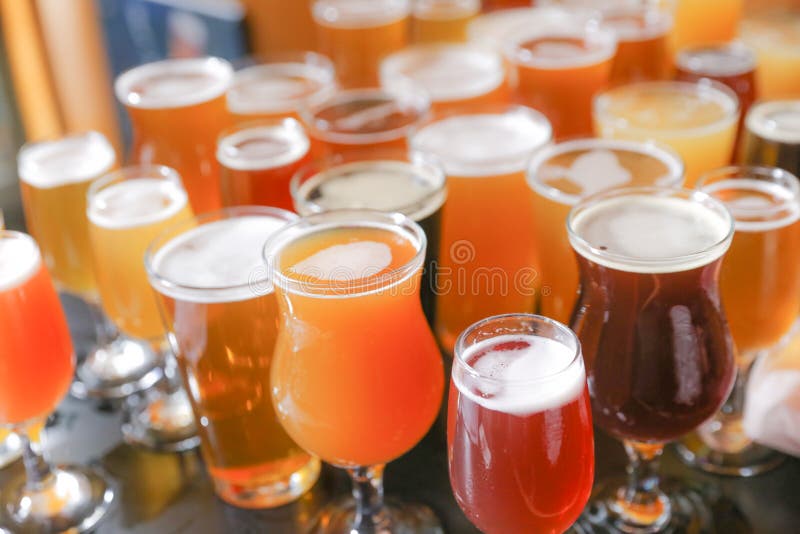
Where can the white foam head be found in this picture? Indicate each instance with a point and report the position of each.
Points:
(445, 72)
(72, 159)
(444, 9)
(651, 233)
(279, 87)
(342, 263)
(636, 22)
(135, 202)
(484, 144)
(264, 146)
(383, 185)
(520, 374)
(777, 121)
(359, 13)
(561, 46)
(173, 83)
(216, 261)
(758, 205)
(19, 259)
(493, 29)
(721, 60)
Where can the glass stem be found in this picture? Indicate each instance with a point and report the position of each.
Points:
(105, 331)
(368, 494)
(734, 406)
(641, 502)
(37, 470)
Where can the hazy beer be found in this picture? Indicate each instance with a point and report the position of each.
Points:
(54, 177)
(776, 40)
(206, 272)
(436, 21)
(177, 110)
(705, 22)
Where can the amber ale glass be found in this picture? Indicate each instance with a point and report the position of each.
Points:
(177, 110)
(558, 69)
(348, 291)
(258, 159)
(442, 21)
(213, 286)
(653, 331)
(358, 34)
(761, 291)
(520, 442)
(484, 156)
(358, 121)
(643, 51)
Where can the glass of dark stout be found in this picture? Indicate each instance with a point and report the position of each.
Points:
(655, 339)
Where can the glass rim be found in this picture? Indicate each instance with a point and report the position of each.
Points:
(473, 5)
(684, 58)
(461, 347)
(18, 279)
(129, 172)
(676, 168)
(491, 28)
(656, 265)
(290, 124)
(326, 12)
(602, 115)
(590, 30)
(166, 236)
(222, 69)
(344, 218)
(426, 163)
(411, 94)
(757, 121)
(27, 168)
(658, 21)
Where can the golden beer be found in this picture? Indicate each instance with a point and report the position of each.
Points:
(54, 178)
(219, 305)
(127, 209)
(437, 21)
(775, 36)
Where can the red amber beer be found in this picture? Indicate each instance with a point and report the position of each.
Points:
(520, 443)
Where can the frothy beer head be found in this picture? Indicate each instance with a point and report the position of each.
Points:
(484, 144)
(650, 230)
(219, 260)
(720, 60)
(493, 29)
(72, 159)
(445, 72)
(415, 190)
(777, 121)
(20, 259)
(561, 47)
(174, 83)
(359, 13)
(135, 202)
(569, 171)
(262, 147)
(520, 374)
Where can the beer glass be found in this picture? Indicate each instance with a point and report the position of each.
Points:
(557, 70)
(455, 76)
(388, 180)
(563, 174)
(520, 442)
(177, 110)
(257, 160)
(773, 35)
(760, 285)
(772, 135)
(54, 178)
(347, 283)
(278, 85)
(223, 325)
(706, 22)
(494, 28)
(484, 155)
(38, 363)
(359, 121)
(442, 21)
(357, 34)
(697, 120)
(127, 209)
(654, 337)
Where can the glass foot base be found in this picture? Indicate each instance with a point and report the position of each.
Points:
(161, 422)
(394, 518)
(73, 499)
(117, 370)
(266, 492)
(751, 460)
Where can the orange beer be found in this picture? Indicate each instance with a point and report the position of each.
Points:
(348, 290)
(455, 76)
(562, 175)
(279, 86)
(643, 51)
(558, 70)
(357, 121)
(358, 34)
(775, 37)
(177, 109)
(206, 274)
(442, 21)
(258, 160)
(699, 22)
(484, 157)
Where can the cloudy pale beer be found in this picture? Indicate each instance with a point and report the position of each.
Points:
(442, 21)
(206, 272)
(705, 22)
(54, 178)
(177, 110)
(776, 40)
